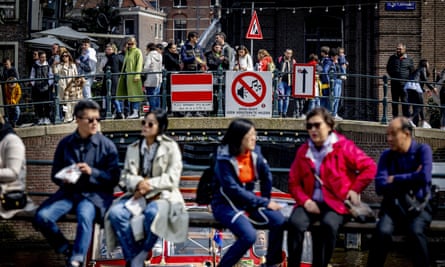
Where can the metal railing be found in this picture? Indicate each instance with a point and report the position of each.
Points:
(219, 93)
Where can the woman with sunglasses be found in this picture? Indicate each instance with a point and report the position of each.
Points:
(66, 70)
(151, 175)
(239, 166)
(327, 170)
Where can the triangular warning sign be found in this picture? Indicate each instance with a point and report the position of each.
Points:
(254, 31)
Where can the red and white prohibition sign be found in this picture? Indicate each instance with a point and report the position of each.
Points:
(248, 89)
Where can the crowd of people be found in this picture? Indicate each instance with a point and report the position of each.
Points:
(142, 82)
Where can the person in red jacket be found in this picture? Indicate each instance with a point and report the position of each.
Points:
(327, 170)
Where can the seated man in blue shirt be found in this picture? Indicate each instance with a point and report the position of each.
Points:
(404, 180)
(96, 158)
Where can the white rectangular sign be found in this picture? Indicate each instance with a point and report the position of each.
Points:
(249, 94)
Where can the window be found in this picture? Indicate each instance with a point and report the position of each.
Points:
(9, 10)
(180, 29)
(179, 3)
(322, 31)
(156, 30)
(129, 27)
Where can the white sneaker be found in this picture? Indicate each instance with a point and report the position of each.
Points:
(338, 118)
(412, 124)
(40, 122)
(426, 125)
(133, 116)
(46, 121)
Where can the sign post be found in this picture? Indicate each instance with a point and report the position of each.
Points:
(304, 80)
(254, 30)
(249, 94)
(192, 92)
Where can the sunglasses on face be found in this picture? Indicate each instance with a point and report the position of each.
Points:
(64, 55)
(145, 123)
(309, 125)
(91, 120)
(130, 43)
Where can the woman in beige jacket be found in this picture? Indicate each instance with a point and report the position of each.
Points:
(153, 203)
(12, 168)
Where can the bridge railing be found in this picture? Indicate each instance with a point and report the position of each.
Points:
(382, 113)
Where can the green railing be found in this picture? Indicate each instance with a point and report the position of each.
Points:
(219, 93)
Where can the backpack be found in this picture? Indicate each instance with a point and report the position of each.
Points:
(205, 184)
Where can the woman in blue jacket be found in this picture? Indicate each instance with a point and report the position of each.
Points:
(239, 165)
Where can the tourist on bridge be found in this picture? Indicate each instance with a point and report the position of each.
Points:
(94, 159)
(239, 165)
(399, 66)
(152, 206)
(404, 180)
(130, 83)
(327, 170)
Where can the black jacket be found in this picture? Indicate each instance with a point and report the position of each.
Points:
(400, 67)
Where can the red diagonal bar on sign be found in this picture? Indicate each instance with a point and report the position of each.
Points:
(249, 89)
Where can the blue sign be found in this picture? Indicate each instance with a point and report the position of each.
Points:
(400, 6)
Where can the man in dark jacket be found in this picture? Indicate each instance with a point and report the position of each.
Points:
(404, 180)
(95, 158)
(399, 66)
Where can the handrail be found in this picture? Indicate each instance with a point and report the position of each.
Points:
(220, 81)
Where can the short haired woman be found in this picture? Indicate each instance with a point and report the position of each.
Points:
(327, 170)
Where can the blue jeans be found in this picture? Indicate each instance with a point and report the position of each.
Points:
(245, 232)
(47, 216)
(13, 113)
(284, 91)
(86, 90)
(324, 100)
(337, 94)
(313, 103)
(117, 105)
(120, 216)
(153, 95)
(134, 106)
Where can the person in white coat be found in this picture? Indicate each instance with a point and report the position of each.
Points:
(153, 68)
(151, 175)
(12, 170)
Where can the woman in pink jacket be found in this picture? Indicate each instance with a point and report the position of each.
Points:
(327, 170)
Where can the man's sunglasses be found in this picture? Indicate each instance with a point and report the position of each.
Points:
(91, 120)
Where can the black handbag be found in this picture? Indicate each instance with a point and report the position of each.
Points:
(13, 200)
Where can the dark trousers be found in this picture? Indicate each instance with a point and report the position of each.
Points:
(415, 228)
(324, 238)
(398, 94)
(416, 98)
(41, 110)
